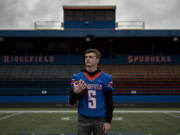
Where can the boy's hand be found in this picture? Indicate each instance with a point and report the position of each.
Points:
(106, 128)
(79, 86)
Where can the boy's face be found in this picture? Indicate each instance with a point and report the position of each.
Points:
(91, 60)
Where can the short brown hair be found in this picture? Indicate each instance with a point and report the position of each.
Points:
(98, 54)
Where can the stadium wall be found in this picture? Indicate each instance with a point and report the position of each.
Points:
(76, 59)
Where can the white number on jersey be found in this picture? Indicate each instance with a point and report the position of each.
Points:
(92, 99)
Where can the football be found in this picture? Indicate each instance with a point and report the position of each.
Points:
(82, 91)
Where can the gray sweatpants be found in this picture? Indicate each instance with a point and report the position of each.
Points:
(89, 125)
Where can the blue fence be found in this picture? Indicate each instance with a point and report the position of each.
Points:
(64, 99)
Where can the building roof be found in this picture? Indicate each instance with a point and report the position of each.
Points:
(84, 33)
(89, 7)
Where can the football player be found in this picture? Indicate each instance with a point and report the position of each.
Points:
(92, 88)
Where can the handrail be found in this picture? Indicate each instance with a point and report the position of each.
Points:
(48, 25)
(139, 25)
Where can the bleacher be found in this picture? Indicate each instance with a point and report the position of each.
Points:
(55, 79)
(37, 71)
(143, 71)
(145, 79)
(36, 79)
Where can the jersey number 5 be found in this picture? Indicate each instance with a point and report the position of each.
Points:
(92, 99)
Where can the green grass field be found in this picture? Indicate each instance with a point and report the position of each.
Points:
(125, 121)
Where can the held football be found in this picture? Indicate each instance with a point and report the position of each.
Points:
(83, 90)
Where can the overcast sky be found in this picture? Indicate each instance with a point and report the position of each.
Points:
(157, 14)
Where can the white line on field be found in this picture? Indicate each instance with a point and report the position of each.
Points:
(147, 111)
(72, 118)
(8, 116)
(76, 111)
(38, 111)
(172, 115)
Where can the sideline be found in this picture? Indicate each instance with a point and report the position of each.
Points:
(11, 115)
(171, 114)
(70, 111)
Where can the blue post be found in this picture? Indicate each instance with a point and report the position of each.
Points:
(69, 58)
(152, 56)
(110, 55)
(26, 64)
(152, 61)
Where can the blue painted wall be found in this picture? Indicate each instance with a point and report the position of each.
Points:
(64, 99)
(78, 59)
(89, 25)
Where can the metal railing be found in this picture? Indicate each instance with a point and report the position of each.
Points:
(48, 25)
(120, 25)
(133, 25)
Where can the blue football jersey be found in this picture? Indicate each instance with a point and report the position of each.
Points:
(92, 102)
